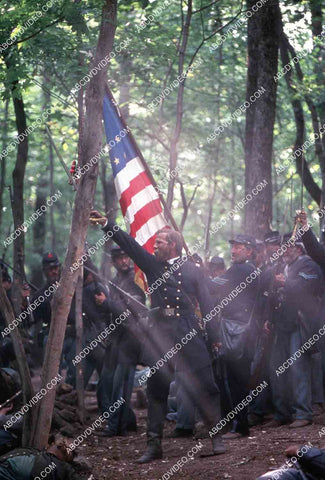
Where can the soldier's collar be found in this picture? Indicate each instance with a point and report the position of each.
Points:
(171, 261)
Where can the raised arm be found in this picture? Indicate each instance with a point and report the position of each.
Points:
(314, 249)
(143, 259)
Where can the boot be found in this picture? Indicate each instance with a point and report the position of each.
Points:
(153, 451)
(217, 447)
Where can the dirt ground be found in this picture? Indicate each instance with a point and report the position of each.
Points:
(246, 459)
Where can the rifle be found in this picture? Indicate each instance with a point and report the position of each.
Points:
(266, 339)
(219, 369)
(6, 264)
(11, 399)
(132, 302)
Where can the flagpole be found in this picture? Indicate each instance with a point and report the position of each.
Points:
(148, 172)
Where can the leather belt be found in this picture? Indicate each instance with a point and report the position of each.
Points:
(169, 312)
(175, 312)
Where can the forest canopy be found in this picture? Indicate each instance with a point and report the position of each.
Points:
(47, 48)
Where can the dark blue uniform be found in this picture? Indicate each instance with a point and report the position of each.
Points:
(295, 322)
(312, 464)
(240, 310)
(177, 295)
(317, 252)
(29, 463)
(314, 249)
(122, 356)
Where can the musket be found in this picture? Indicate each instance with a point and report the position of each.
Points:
(294, 231)
(140, 307)
(11, 399)
(219, 369)
(13, 269)
(64, 165)
(18, 273)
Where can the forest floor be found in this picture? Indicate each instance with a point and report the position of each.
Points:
(246, 459)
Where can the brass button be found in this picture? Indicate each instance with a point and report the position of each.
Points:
(165, 298)
(167, 306)
(178, 315)
(179, 282)
(179, 274)
(177, 298)
(165, 289)
(178, 290)
(166, 267)
(177, 306)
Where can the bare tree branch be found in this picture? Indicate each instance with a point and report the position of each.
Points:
(37, 32)
(204, 8)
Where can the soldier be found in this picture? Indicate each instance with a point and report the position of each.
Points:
(314, 249)
(240, 311)
(306, 464)
(29, 463)
(123, 355)
(267, 304)
(93, 322)
(260, 252)
(295, 322)
(216, 266)
(176, 295)
(42, 314)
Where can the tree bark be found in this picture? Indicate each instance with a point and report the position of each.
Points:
(298, 111)
(83, 203)
(263, 44)
(3, 159)
(39, 230)
(79, 336)
(319, 56)
(209, 219)
(179, 106)
(18, 176)
(28, 393)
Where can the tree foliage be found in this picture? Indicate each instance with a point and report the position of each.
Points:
(46, 62)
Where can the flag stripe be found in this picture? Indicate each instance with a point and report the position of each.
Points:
(132, 170)
(144, 189)
(131, 204)
(146, 232)
(141, 217)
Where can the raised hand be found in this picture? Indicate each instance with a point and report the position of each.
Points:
(97, 218)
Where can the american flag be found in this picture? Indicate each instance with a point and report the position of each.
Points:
(139, 200)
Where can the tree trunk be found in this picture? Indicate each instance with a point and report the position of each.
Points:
(263, 43)
(28, 393)
(79, 346)
(298, 111)
(208, 221)
(179, 106)
(319, 54)
(47, 105)
(18, 176)
(83, 203)
(3, 159)
(39, 231)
